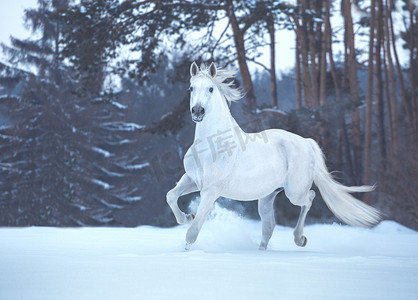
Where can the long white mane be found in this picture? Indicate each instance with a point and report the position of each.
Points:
(227, 87)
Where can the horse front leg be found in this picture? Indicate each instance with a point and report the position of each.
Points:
(183, 187)
(208, 198)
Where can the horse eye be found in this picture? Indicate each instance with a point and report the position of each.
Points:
(211, 89)
(191, 89)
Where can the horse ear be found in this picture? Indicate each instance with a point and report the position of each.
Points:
(212, 69)
(194, 69)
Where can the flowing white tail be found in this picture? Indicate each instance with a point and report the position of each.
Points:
(338, 199)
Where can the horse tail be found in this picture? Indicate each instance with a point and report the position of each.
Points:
(337, 196)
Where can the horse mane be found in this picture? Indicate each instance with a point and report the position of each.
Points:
(224, 81)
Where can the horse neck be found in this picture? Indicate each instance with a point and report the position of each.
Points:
(220, 120)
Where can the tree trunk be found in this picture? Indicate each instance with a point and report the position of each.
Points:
(313, 53)
(379, 86)
(241, 56)
(324, 50)
(413, 66)
(311, 45)
(388, 102)
(306, 83)
(332, 65)
(405, 100)
(273, 83)
(303, 38)
(354, 92)
(347, 150)
(297, 70)
(392, 104)
(369, 101)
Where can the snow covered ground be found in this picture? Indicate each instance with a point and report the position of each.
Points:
(339, 262)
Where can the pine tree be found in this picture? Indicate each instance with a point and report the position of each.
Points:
(64, 159)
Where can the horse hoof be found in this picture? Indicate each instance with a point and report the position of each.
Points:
(187, 247)
(305, 241)
(302, 241)
(188, 219)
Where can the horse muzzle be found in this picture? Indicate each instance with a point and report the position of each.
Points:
(198, 112)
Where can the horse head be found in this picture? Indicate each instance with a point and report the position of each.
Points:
(202, 90)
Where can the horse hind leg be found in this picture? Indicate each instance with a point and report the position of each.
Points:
(300, 239)
(265, 209)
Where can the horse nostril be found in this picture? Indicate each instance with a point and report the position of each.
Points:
(198, 110)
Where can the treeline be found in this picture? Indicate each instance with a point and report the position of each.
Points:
(78, 149)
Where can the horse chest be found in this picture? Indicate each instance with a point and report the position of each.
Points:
(206, 168)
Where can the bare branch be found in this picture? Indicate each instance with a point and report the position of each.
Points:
(220, 37)
(195, 5)
(258, 63)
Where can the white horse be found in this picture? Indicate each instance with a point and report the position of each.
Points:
(224, 161)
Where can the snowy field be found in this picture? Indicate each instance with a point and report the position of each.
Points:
(339, 262)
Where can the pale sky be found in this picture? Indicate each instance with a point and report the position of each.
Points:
(11, 19)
